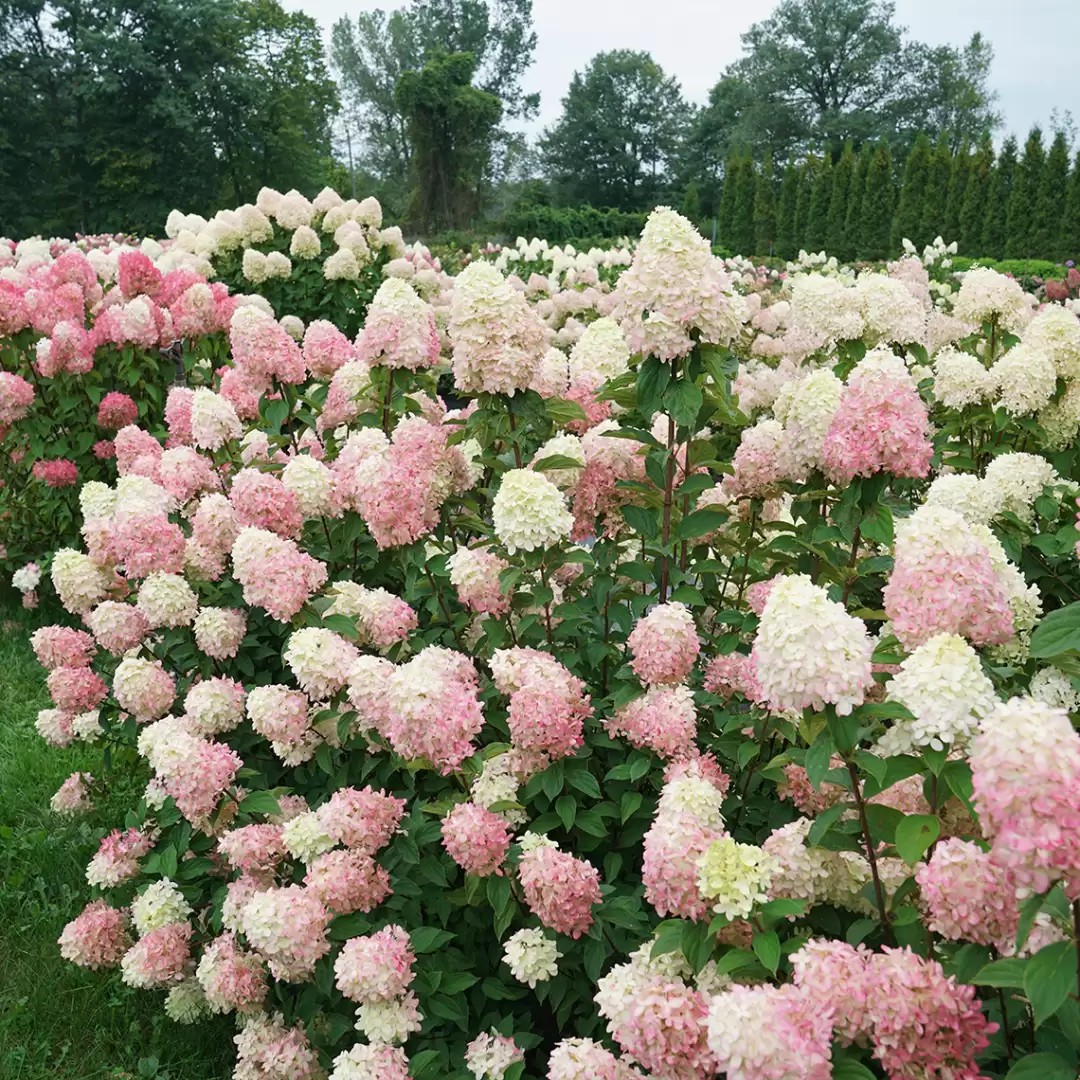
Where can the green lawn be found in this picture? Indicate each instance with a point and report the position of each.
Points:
(57, 1020)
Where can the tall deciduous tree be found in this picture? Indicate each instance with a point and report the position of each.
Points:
(620, 129)
(373, 50)
(111, 114)
(451, 126)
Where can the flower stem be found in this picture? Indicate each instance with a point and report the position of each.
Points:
(879, 891)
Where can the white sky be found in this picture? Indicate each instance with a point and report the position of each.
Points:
(1035, 44)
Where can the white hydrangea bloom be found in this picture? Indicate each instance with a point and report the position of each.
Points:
(806, 408)
(311, 482)
(531, 956)
(601, 353)
(943, 684)
(562, 445)
(961, 379)
(388, 1021)
(529, 512)
(733, 877)
(1025, 380)
(1014, 481)
(1054, 688)
(986, 294)
(305, 837)
(160, 904)
(1055, 331)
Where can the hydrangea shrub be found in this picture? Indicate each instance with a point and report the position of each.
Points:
(693, 703)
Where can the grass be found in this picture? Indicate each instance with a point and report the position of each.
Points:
(57, 1020)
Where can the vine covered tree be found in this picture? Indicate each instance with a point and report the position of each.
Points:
(451, 125)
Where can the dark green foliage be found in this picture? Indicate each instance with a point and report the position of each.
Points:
(908, 223)
(843, 176)
(765, 209)
(1050, 202)
(976, 195)
(742, 234)
(996, 224)
(1024, 197)
(936, 197)
(853, 218)
(571, 224)
(877, 208)
(802, 202)
(1069, 243)
(817, 226)
(958, 182)
(451, 124)
(111, 115)
(620, 129)
(691, 202)
(728, 198)
(786, 247)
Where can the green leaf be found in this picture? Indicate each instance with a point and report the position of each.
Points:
(818, 758)
(652, 379)
(566, 808)
(1050, 975)
(644, 522)
(585, 782)
(628, 805)
(700, 523)
(1007, 973)
(682, 402)
(259, 802)
(668, 938)
(877, 525)
(1057, 633)
(1040, 1067)
(563, 412)
(851, 1070)
(555, 461)
(823, 822)
(429, 938)
(767, 949)
(423, 1063)
(498, 892)
(914, 835)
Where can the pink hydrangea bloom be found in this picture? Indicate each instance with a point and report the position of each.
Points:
(16, 397)
(288, 926)
(881, 425)
(117, 627)
(117, 859)
(1025, 768)
(96, 938)
(143, 688)
(433, 708)
(61, 646)
(347, 880)
(756, 461)
(560, 889)
(326, 348)
(137, 452)
(663, 719)
(664, 1030)
(267, 1050)
(137, 274)
(276, 575)
(548, 705)
(399, 331)
(664, 644)
(361, 818)
(60, 472)
(377, 967)
(476, 839)
(474, 573)
(254, 850)
(230, 977)
(159, 958)
(76, 689)
(148, 544)
(263, 502)
(116, 411)
(732, 673)
(178, 415)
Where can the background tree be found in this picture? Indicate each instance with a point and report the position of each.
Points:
(786, 241)
(843, 174)
(742, 235)
(620, 129)
(976, 196)
(857, 190)
(877, 207)
(823, 71)
(996, 224)
(729, 197)
(1050, 200)
(1070, 222)
(908, 221)
(958, 182)
(371, 52)
(937, 194)
(111, 114)
(765, 208)
(451, 126)
(802, 201)
(816, 234)
(1024, 196)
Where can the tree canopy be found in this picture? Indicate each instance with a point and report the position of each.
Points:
(619, 132)
(112, 113)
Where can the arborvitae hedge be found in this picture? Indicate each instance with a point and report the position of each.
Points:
(857, 206)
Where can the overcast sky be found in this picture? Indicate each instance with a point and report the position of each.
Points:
(1035, 44)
